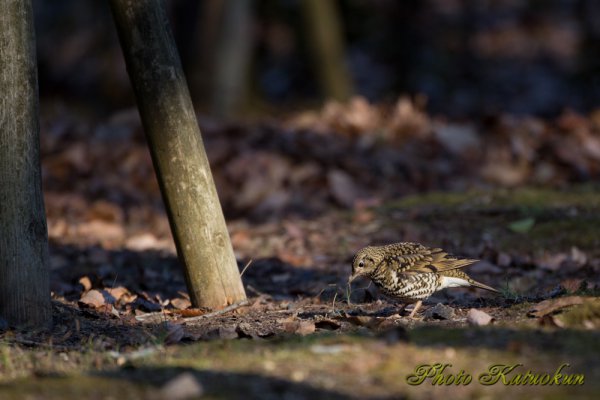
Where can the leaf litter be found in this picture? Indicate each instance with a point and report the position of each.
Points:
(118, 286)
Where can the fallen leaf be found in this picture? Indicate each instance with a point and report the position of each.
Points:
(143, 242)
(578, 257)
(92, 298)
(551, 261)
(478, 318)
(118, 292)
(181, 304)
(551, 321)
(297, 326)
(549, 306)
(572, 285)
(191, 312)
(408, 119)
(183, 386)
(105, 211)
(505, 173)
(102, 231)
(86, 283)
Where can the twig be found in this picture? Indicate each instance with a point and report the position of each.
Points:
(218, 312)
(245, 268)
(256, 291)
(333, 305)
(116, 300)
(348, 293)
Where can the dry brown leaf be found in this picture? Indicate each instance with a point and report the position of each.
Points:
(551, 321)
(352, 119)
(190, 312)
(181, 304)
(104, 211)
(118, 292)
(551, 261)
(101, 231)
(86, 283)
(548, 306)
(505, 174)
(92, 298)
(408, 120)
(297, 326)
(142, 242)
(305, 328)
(571, 285)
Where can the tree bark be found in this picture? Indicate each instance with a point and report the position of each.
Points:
(325, 36)
(178, 153)
(24, 281)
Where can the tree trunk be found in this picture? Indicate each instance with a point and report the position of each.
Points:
(232, 57)
(24, 282)
(325, 35)
(178, 153)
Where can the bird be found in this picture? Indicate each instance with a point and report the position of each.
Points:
(412, 272)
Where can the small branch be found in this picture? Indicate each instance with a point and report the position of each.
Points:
(218, 312)
(245, 268)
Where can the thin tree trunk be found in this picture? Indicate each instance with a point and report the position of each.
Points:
(232, 57)
(178, 153)
(24, 282)
(325, 35)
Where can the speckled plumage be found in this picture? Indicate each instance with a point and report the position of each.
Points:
(410, 271)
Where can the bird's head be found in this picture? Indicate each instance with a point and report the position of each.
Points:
(365, 262)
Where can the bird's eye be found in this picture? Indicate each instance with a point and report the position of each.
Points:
(361, 264)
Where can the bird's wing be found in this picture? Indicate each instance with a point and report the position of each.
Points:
(414, 257)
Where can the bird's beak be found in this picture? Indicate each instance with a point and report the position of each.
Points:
(352, 277)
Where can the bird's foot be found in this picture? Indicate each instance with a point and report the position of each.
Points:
(415, 309)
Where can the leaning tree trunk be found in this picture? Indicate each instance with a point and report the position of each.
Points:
(178, 153)
(24, 286)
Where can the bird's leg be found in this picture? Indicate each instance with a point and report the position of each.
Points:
(414, 311)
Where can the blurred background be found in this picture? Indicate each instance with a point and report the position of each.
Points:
(264, 56)
(307, 106)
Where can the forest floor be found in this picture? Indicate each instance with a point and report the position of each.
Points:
(124, 326)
